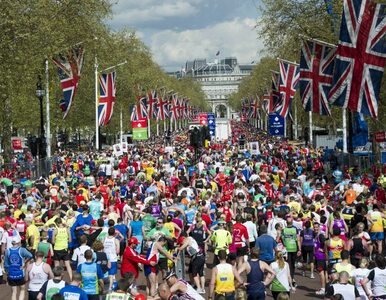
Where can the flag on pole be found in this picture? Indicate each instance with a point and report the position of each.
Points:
(107, 89)
(360, 57)
(174, 107)
(136, 110)
(180, 102)
(289, 77)
(255, 108)
(139, 129)
(143, 106)
(316, 68)
(162, 111)
(152, 104)
(69, 70)
(266, 103)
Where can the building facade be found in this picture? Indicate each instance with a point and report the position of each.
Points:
(218, 79)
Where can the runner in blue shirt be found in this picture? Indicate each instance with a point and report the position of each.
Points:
(73, 291)
(91, 273)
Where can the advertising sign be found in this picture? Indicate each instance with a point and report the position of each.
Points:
(17, 143)
(212, 124)
(276, 125)
(380, 136)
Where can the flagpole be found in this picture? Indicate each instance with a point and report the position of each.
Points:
(344, 127)
(296, 120)
(287, 61)
(96, 105)
(113, 67)
(121, 126)
(148, 127)
(157, 128)
(318, 41)
(311, 139)
(48, 125)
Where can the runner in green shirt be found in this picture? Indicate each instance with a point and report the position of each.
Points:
(291, 242)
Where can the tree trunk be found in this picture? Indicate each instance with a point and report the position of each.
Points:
(7, 125)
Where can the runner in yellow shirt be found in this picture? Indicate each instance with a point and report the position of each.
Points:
(376, 229)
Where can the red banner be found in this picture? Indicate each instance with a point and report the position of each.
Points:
(203, 119)
(17, 143)
(380, 136)
(141, 123)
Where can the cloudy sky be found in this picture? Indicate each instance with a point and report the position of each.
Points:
(181, 30)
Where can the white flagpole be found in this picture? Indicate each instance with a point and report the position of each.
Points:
(148, 127)
(296, 120)
(48, 125)
(311, 128)
(344, 127)
(121, 126)
(157, 128)
(96, 105)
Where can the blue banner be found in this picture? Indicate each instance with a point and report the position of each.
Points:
(212, 124)
(276, 125)
(360, 131)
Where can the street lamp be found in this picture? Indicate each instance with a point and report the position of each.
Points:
(40, 94)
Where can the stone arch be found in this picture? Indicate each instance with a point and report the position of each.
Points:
(221, 111)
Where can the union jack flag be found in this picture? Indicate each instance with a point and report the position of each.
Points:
(162, 109)
(107, 91)
(254, 108)
(187, 108)
(139, 109)
(360, 57)
(143, 106)
(265, 105)
(152, 104)
(69, 69)
(316, 68)
(181, 103)
(174, 113)
(289, 77)
(136, 112)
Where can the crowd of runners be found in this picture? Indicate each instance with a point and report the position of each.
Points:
(248, 220)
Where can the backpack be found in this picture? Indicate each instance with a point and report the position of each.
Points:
(15, 271)
(199, 184)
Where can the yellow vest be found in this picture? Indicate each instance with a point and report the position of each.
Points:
(377, 223)
(225, 280)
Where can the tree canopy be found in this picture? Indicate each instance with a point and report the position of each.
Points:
(35, 30)
(282, 26)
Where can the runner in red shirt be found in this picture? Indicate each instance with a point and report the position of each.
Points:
(240, 239)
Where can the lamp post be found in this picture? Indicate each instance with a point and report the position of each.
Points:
(40, 94)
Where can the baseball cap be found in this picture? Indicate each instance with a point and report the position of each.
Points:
(16, 240)
(134, 240)
(332, 271)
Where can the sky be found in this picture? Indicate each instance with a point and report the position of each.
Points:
(181, 30)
